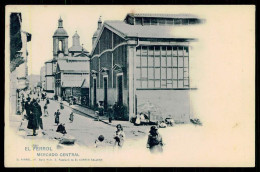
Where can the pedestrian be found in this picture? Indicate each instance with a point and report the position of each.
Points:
(47, 101)
(23, 104)
(97, 115)
(110, 114)
(99, 142)
(57, 117)
(61, 129)
(39, 115)
(71, 117)
(42, 97)
(138, 120)
(46, 113)
(119, 136)
(27, 107)
(154, 142)
(61, 105)
(32, 118)
(100, 109)
(70, 101)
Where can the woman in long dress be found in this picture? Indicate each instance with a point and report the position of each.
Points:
(155, 143)
(46, 113)
(57, 117)
(33, 122)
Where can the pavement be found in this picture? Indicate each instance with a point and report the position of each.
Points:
(91, 113)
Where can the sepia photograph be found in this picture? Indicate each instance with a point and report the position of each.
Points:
(129, 86)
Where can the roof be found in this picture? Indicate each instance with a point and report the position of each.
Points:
(80, 66)
(77, 48)
(75, 35)
(85, 84)
(81, 54)
(78, 58)
(149, 31)
(175, 32)
(96, 33)
(60, 32)
(162, 15)
(49, 61)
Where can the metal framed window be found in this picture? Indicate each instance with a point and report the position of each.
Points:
(162, 67)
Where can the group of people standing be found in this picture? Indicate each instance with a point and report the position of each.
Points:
(32, 109)
(34, 115)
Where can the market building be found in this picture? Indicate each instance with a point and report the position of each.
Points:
(144, 58)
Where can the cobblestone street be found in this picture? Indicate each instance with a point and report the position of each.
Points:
(84, 128)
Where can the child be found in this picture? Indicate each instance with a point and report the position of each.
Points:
(71, 117)
(61, 129)
(119, 136)
(99, 141)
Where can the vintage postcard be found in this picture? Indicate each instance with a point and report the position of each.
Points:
(129, 86)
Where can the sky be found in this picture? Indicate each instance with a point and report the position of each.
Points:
(42, 21)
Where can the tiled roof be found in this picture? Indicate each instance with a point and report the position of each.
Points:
(72, 66)
(163, 15)
(149, 31)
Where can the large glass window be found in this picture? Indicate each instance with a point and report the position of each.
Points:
(177, 21)
(185, 21)
(150, 73)
(161, 21)
(146, 21)
(157, 73)
(162, 67)
(138, 21)
(169, 21)
(144, 73)
(151, 83)
(154, 21)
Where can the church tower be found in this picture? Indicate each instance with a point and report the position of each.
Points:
(60, 41)
(75, 40)
(97, 31)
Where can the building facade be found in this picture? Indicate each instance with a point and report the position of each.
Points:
(19, 74)
(67, 74)
(143, 59)
(72, 80)
(49, 76)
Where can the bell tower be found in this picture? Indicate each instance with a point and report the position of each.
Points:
(60, 41)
